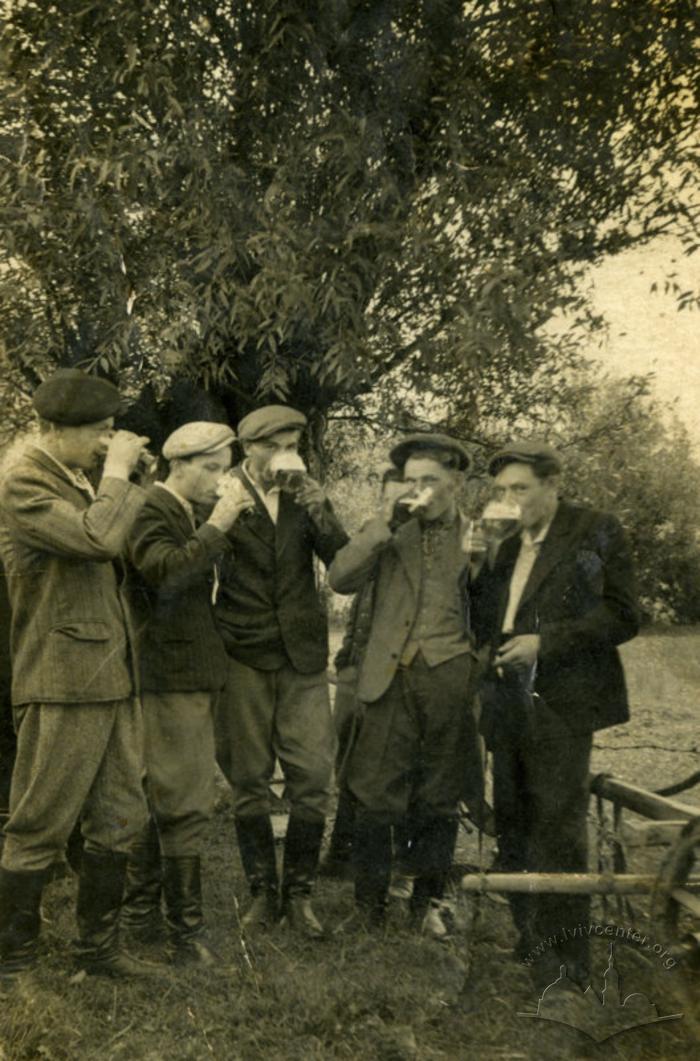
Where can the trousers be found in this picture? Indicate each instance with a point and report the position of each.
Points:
(540, 792)
(180, 764)
(265, 716)
(74, 761)
(418, 745)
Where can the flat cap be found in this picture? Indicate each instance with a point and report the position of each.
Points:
(525, 451)
(73, 397)
(268, 420)
(196, 438)
(412, 445)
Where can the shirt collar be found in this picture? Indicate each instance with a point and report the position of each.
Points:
(75, 476)
(187, 505)
(528, 539)
(248, 472)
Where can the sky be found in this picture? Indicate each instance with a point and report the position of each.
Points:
(647, 332)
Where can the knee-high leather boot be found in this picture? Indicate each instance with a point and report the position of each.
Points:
(433, 854)
(141, 917)
(256, 844)
(20, 920)
(100, 890)
(372, 857)
(182, 882)
(302, 846)
(338, 859)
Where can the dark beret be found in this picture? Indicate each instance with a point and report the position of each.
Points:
(412, 445)
(268, 420)
(73, 397)
(527, 451)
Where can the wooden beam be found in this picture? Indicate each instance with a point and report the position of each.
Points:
(689, 900)
(639, 800)
(561, 883)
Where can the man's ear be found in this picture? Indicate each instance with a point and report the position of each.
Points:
(175, 465)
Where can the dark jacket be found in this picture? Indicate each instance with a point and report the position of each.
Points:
(357, 628)
(170, 569)
(269, 609)
(580, 599)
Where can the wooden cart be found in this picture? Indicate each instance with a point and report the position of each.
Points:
(674, 890)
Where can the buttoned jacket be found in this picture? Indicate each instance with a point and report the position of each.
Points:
(69, 630)
(169, 584)
(394, 562)
(270, 608)
(580, 600)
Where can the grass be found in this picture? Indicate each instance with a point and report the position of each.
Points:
(365, 998)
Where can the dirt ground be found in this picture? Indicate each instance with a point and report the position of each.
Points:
(400, 996)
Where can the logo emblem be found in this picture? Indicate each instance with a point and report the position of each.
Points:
(599, 1016)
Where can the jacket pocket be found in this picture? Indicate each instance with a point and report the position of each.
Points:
(83, 630)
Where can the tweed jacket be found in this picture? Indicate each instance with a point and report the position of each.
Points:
(170, 569)
(394, 562)
(5, 658)
(269, 608)
(580, 599)
(69, 634)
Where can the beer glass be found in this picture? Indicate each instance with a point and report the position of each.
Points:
(288, 471)
(416, 504)
(500, 520)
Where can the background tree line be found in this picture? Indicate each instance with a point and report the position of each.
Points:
(371, 210)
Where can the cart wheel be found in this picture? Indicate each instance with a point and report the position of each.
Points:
(675, 901)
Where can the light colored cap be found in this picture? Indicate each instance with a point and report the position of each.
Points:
(197, 437)
(268, 420)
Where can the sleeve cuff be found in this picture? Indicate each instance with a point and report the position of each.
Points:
(375, 532)
(216, 540)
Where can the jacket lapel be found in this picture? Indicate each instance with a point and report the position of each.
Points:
(172, 510)
(259, 520)
(503, 570)
(287, 522)
(552, 551)
(56, 472)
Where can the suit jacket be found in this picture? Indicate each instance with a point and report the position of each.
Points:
(269, 609)
(580, 599)
(394, 561)
(69, 634)
(170, 568)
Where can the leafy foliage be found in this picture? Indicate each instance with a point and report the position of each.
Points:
(310, 201)
(633, 460)
(366, 209)
(622, 452)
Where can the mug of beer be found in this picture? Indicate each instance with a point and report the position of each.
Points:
(498, 521)
(501, 519)
(229, 485)
(416, 504)
(288, 471)
(145, 467)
